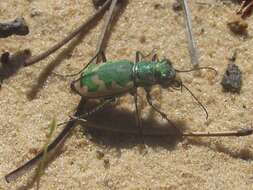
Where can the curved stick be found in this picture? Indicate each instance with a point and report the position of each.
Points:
(238, 133)
(51, 50)
(31, 163)
(58, 140)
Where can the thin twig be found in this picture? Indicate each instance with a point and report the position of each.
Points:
(83, 26)
(239, 133)
(191, 42)
(160, 131)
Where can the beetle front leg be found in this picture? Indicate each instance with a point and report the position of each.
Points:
(149, 100)
(137, 113)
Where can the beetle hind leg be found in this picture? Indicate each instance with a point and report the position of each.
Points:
(100, 57)
(139, 56)
(155, 58)
(98, 108)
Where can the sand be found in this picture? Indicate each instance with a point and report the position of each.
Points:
(34, 96)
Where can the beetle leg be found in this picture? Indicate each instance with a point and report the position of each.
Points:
(103, 56)
(137, 113)
(86, 66)
(99, 107)
(155, 58)
(149, 100)
(139, 56)
(93, 59)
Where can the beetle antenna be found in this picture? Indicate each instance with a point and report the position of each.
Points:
(196, 69)
(200, 104)
(72, 75)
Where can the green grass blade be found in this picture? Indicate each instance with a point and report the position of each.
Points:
(42, 164)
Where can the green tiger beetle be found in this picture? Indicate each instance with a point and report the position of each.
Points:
(112, 79)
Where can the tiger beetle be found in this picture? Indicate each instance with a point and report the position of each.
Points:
(113, 79)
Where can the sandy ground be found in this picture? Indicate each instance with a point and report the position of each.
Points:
(33, 97)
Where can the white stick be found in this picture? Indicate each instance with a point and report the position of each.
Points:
(191, 42)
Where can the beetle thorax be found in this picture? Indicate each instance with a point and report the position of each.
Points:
(151, 73)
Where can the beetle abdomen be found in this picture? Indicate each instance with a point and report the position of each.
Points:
(106, 79)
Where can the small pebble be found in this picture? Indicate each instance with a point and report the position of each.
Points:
(142, 39)
(35, 13)
(157, 6)
(106, 163)
(99, 154)
(177, 6)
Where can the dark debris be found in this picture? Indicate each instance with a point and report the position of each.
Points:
(10, 64)
(231, 81)
(16, 27)
(177, 6)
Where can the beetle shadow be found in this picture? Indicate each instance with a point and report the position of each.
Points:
(66, 53)
(117, 128)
